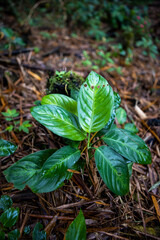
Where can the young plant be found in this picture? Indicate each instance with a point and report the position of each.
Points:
(8, 218)
(10, 116)
(46, 170)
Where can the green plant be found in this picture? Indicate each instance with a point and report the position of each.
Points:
(149, 47)
(46, 170)
(77, 229)
(121, 117)
(38, 233)
(6, 148)
(8, 218)
(10, 116)
(12, 38)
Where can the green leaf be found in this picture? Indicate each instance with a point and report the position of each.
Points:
(5, 202)
(2, 235)
(117, 100)
(129, 145)
(77, 229)
(113, 170)
(37, 234)
(6, 148)
(9, 217)
(59, 121)
(43, 171)
(95, 103)
(74, 94)
(10, 113)
(121, 115)
(108, 125)
(9, 128)
(20, 172)
(131, 127)
(14, 235)
(62, 101)
(157, 184)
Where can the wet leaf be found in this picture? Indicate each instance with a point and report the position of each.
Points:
(113, 170)
(95, 103)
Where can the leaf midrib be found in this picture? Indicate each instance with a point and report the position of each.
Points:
(133, 149)
(79, 130)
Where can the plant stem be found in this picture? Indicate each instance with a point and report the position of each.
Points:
(88, 144)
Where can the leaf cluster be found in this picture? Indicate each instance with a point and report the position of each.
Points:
(93, 114)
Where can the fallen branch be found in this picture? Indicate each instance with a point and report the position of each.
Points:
(14, 62)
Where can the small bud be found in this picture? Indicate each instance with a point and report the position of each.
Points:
(85, 85)
(92, 87)
(103, 85)
(98, 86)
(141, 26)
(138, 17)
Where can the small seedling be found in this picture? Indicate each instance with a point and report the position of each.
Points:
(10, 116)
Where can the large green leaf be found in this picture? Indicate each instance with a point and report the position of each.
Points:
(77, 229)
(9, 217)
(43, 171)
(61, 100)
(113, 170)
(23, 170)
(95, 103)
(6, 148)
(117, 101)
(128, 145)
(59, 121)
(108, 125)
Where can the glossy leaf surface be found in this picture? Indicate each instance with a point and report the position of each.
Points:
(113, 170)
(59, 121)
(77, 229)
(25, 169)
(61, 100)
(38, 233)
(129, 145)
(6, 148)
(108, 125)
(95, 103)
(5, 202)
(117, 100)
(9, 217)
(43, 171)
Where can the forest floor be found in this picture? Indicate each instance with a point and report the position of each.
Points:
(23, 81)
